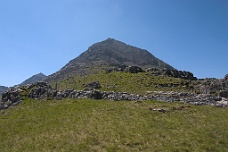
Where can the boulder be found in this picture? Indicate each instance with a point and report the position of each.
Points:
(96, 94)
(93, 85)
(179, 74)
(134, 69)
(12, 95)
(109, 70)
(125, 68)
(121, 68)
(224, 93)
(59, 95)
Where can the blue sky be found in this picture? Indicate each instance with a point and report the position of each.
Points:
(42, 36)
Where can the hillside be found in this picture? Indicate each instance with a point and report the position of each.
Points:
(33, 79)
(108, 53)
(137, 83)
(92, 125)
(112, 52)
(95, 103)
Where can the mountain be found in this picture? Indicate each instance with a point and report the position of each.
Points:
(3, 89)
(33, 79)
(110, 52)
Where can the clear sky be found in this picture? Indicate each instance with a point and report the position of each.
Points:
(44, 35)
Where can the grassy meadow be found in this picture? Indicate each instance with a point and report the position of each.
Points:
(136, 83)
(100, 125)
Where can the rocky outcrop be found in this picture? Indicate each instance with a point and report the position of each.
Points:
(97, 94)
(186, 97)
(16, 95)
(125, 68)
(11, 97)
(167, 96)
(93, 85)
(171, 73)
(134, 69)
(42, 90)
(212, 86)
(224, 93)
(154, 71)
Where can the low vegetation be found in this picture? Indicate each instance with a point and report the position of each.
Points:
(136, 83)
(99, 125)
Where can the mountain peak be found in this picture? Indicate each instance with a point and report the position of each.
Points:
(110, 40)
(115, 52)
(40, 74)
(107, 43)
(35, 78)
(111, 52)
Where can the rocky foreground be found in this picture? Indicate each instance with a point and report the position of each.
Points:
(42, 90)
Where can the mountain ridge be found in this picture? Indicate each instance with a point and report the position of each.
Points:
(35, 78)
(118, 53)
(109, 52)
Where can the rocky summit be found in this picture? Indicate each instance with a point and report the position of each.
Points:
(108, 53)
(112, 52)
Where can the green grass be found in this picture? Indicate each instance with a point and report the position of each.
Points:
(126, 82)
(99, 125)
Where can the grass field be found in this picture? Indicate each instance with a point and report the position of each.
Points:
(126, 82)
(91, 125)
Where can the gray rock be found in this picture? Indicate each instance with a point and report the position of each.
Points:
(96, 94)
(224, 93)
(183, 94)
(17, 103)
(93, 85)
(134, 69)
(226, 78)
(5, 106)
(59, 95)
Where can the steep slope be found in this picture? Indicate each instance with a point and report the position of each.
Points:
(110, 52)
(33, 79)
(3, 88)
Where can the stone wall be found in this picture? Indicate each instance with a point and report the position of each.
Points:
(42, 90)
